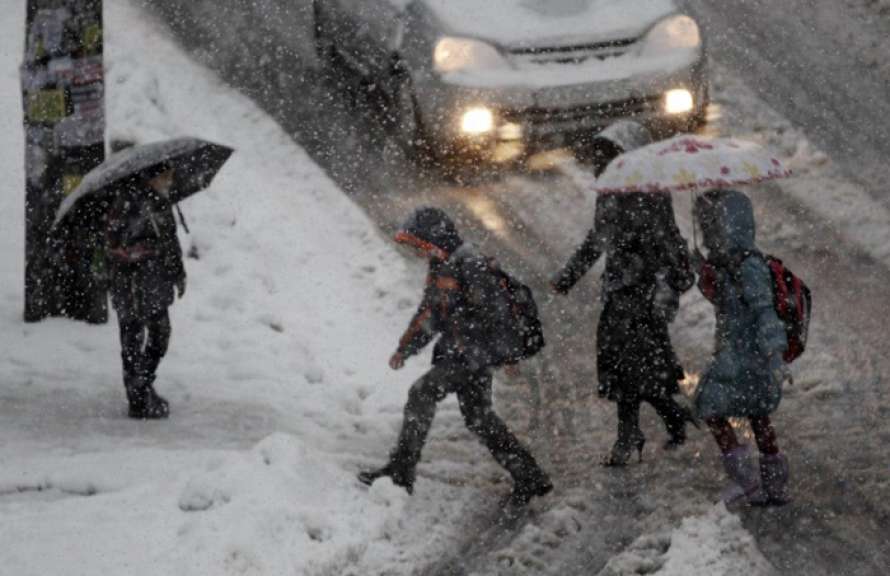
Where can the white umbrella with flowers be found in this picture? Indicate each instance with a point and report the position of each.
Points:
(690, 162)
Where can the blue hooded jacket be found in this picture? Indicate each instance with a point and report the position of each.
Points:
(745, 375)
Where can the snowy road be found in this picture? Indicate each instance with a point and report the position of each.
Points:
(822, 64)
(833, 423)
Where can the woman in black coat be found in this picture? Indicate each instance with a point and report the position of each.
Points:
(647, 267)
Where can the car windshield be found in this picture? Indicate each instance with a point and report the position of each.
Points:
(519, 21)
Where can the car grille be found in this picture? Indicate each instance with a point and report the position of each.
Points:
(584, 115)
(574, 54)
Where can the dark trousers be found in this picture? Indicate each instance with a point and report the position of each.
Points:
(672, 415)
(144, 343)
(473, 389)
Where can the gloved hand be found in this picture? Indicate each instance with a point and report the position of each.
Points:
(666, 300)
(397, 361)
(779, 369)
(180, 286)
(556, 286)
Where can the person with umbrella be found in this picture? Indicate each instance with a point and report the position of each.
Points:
(745, 375)
(647, 267)
(145, 267)
(135, 191)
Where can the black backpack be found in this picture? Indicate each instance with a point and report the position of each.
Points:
(524, 323)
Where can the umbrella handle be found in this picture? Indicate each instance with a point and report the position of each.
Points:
(694, 227)
(182, 219)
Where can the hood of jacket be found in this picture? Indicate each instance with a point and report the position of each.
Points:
(727, 223)
(428, 228)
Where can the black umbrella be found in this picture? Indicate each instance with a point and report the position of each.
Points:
(195, 163)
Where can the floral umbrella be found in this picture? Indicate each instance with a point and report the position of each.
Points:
(688, 162)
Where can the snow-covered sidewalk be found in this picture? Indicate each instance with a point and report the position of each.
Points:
(277, 371)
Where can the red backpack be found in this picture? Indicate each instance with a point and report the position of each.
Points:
(793, 305)
(791, 298)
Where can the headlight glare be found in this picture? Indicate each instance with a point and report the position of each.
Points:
(477, 121)
(674, 33)
(679, 101)
(453, 54)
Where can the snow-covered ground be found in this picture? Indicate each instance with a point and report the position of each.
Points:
(277, 371)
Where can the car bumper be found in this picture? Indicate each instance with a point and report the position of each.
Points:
(557, 109)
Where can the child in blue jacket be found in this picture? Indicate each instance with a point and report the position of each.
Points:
(744, 378)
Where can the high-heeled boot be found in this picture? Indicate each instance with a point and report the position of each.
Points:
(630, 437)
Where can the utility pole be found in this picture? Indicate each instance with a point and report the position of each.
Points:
(63, 93)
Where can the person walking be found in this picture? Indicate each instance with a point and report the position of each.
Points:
(647, 268)
(145, 267)
(460, 307)
(745, 376)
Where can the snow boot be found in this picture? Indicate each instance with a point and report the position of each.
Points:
(536, 484)
(774, 478)
(146, 404)
(630, 437)
(676, 426)
(745, 478)
(398, 477)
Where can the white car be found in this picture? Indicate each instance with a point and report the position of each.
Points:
(497, 77)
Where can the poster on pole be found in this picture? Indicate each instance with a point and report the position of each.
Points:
(63, 95)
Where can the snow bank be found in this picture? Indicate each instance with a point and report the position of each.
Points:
(715, 543)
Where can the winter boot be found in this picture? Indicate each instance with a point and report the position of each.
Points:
(402, 478)
(630, 437)
(146, 404)
(745, 480)
(675, 415)
(774, 478)
(535, 484)
(677, 429)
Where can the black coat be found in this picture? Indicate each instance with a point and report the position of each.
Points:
(144, 256)
(464, 306)
(645, 255)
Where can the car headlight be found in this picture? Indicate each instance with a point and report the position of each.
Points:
(453, 54)
(477, 121)
(674, 33)
(678, 101)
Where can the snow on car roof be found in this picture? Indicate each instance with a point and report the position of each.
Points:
(519, 22)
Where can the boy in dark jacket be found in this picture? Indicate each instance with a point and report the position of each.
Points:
(145, 265)
(459, 307)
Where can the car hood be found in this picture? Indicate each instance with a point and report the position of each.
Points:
(532, 23)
